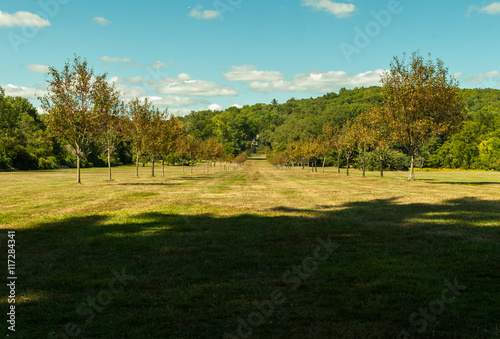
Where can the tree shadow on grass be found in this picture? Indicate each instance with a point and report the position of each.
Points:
(465, 183)
(195, 276)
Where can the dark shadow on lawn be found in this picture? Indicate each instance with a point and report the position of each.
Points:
(466, 183)
(195, 276)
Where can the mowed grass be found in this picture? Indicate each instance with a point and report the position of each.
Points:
(205, 255)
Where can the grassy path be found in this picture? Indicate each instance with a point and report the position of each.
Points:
(231, 253)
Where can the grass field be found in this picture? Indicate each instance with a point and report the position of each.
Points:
(253, 252)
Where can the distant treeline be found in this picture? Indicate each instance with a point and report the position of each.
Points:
(274, 126)
(26, 143)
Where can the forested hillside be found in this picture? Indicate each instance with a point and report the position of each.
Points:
(26, 143)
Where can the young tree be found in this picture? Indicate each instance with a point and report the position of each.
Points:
(336, 135)
(361, 128)
(188, 148)
(138, 116)
(328, 137)
(110, 123)
(421, 101)
(70, 104)
(348, 140)
(153, 141)
(379, 135)
(171, 132)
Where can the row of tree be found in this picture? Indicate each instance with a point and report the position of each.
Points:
(84, 109)
(420, 102)
(27, 143)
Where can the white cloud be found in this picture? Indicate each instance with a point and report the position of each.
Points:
(458, 75)
(22, 19)
(102, 21)
(249, 73)
(215, 107)
(183, 84)
(340, 10)
(43, 69)
(198, 13)
(319, 81)
(125, 90)
(482, 77)
(136, 80)
(237, 106)
(174, 101)
(492, 9)
(24, 92)
(119, 60)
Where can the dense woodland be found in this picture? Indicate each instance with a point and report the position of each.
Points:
(291, 133)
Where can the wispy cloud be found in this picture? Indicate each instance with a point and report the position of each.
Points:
(175, 101)
(340, 10)
(250, 73)
(319, 81)
(198, 13)
(24, 92)
(184, 84)
(102, 21)
(481, 77)
(114, 59)
(159, 64)
(43, 69)
(22, 19)
(492, 9)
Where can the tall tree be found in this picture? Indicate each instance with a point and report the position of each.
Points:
(421, 101)
(70, 104)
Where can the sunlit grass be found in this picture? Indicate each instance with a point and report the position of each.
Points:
(205, 247)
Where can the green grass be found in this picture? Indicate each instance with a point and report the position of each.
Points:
(205, 248)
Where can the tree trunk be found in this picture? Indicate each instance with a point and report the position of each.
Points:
(347, 165)
(338, 162)
(78, 181)
(364, 159)
(137, 165)
(412, 167)
(381, 166)
(182, 161)
(196, 171)
(162, 167)
(323, 167)
(153, 167)
(109, 161)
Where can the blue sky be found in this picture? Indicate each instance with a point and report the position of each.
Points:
(189, 55)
